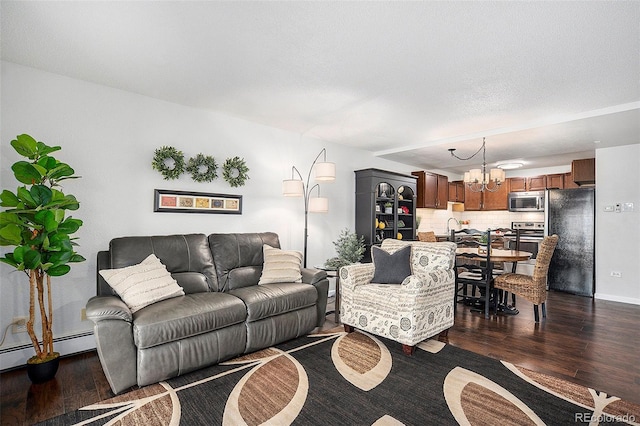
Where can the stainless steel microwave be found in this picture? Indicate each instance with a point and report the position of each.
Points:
(531, 201)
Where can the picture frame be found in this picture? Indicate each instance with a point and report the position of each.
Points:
(172, 201)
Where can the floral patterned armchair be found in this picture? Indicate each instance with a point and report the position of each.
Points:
(419, 308)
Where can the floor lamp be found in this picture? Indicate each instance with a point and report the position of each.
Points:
(325, 172)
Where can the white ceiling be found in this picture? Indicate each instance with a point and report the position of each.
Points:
(407, 80)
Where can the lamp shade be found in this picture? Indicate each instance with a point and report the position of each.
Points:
(318, 205)
(476, 175)
(292, 188)
(497, 175)
(467, 177)
(325, 171)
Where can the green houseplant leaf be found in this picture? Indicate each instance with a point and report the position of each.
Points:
(34, 222)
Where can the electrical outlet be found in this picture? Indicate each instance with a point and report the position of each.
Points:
(19, 325)
(83, 314)
(616, 274)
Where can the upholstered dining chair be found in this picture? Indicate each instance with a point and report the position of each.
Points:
(532, 287)
(427, 237)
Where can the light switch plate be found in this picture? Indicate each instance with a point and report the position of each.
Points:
(608, 208)
(627, 207)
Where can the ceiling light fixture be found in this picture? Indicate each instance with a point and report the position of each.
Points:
(479, 180)
(509, 166)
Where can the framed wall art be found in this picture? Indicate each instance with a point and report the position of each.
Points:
(170, 201)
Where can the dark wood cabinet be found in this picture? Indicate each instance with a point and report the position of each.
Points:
(487, 200)
(568, 181)
(497, 200)
(537, 183)
(555, 181)
(376, 188)
(456, 191)
(533, 183)
(584, 171)
(433, 190)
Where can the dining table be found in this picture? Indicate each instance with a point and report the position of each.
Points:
(497, 255)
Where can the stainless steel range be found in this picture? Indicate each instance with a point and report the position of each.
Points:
(531, 235)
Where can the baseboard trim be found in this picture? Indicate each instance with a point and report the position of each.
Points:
(16, 356)
(614, 298)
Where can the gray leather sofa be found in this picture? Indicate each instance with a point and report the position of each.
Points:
(224, 313)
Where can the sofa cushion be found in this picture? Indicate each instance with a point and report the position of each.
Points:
(268, 300)
(391, 268)
(238, 258)
(185, 316)
(142, 284)
(180, 253)
(280, 266)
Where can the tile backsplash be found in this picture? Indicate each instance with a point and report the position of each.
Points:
(436, 220)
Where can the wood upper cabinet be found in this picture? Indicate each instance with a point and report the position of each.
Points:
(555, 181)
(433, 190)
(472, 200)
(487, 200)
(584, 171)
(568, 181)
(497, 200)
(537, 183)
(533, 183)
(456, 191)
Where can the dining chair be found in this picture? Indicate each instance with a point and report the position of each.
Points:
(473, 272)
(428, 237)
(532, 287)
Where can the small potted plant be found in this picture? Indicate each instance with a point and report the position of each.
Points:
(388, 208)
(34, 221)
(483, 242)
(349, 249)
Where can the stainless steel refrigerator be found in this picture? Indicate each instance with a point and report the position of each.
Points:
(570, 213)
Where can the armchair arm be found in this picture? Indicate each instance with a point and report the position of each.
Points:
(352, 276)
(429, 280)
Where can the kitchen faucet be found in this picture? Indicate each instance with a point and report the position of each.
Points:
(449, 229)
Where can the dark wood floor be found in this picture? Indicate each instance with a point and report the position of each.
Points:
(591, 342)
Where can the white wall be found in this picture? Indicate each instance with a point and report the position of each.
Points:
(618, 234)
(109, 137)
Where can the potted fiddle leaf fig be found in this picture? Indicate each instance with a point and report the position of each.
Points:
(35, 222)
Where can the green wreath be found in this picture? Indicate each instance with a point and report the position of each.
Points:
(235, 171)
(159, 162)
(195, 165)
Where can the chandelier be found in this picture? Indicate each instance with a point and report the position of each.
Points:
(478, 180)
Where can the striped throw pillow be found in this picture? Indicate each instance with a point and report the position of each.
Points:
(280, 266)
(143, 284)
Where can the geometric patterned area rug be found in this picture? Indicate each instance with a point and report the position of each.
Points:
(337, 378)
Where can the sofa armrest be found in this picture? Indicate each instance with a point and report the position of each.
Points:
(101, 308)
(312, 276)
(318, 279)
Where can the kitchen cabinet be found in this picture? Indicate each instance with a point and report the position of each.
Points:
(584, 171)
(433, 190)
(376, 188)
(456, 191)
(533, 183)
(568, 181)
(555, 181)
(487, 200)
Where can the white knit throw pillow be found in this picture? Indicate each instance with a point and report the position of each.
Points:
(280, 266)
(143, 284)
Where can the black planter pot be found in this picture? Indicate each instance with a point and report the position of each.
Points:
(44, 371)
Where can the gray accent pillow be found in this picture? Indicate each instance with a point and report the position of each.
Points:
(391, 268)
